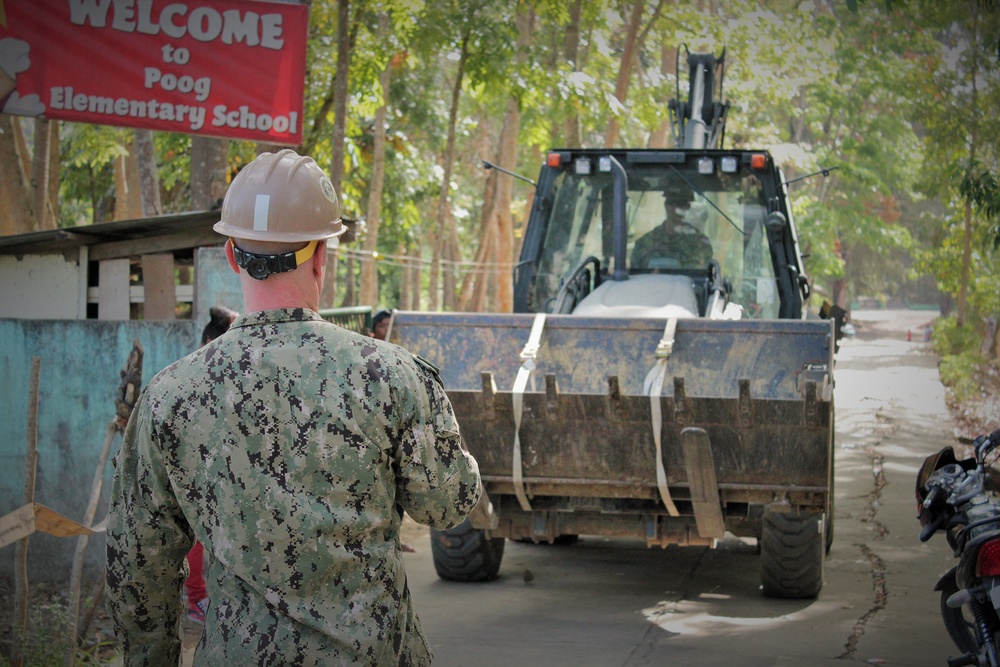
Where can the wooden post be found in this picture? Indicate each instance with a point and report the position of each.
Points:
(128, 393)
(76, 575)
(21, 550)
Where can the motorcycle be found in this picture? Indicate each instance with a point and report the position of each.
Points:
(954, 495)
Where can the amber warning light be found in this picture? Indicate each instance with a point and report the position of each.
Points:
(758, 161)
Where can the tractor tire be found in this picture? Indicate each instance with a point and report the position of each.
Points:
(792, 551)
(464, 553)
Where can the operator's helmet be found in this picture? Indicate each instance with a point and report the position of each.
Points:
(282, 197)
(678, 194)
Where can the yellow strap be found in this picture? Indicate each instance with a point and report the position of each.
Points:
(303, 255)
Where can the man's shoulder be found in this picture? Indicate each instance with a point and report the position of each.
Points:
(179, 374)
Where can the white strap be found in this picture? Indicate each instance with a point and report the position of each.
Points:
(653, 385)
(517, 397)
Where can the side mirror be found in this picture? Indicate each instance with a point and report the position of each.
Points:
(775, 221)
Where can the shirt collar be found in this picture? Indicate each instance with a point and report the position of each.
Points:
(276, 317)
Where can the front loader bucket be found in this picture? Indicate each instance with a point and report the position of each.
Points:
(746, 415)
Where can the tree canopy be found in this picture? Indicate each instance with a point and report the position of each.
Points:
(894, 100)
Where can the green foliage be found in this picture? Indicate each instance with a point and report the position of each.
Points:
(979, 188)
(86, 182)
(960, 358)
(961, 363)
(47, 640)
(950, 339)
(883, 91)
(958, 372)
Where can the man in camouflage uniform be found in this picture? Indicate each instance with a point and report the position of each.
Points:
(290, 448)
(674, 244)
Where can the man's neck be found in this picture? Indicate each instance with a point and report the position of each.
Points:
(258, 297)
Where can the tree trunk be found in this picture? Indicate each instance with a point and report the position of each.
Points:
(369, 265)
(442, 238)
(348, 289)
(414, 280)
(209, 162)
(473, 279)
(128, 204)
(633, 42)
(668, 65)
(149, 180)
(40, 174)
(995, 345)
(17, 217)
(474, 298)
(572, 53)
(625, 70)
(963, 288)
(52, 215)
(340, 91)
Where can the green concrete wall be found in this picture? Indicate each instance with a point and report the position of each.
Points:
(81, 363)
(216, 284)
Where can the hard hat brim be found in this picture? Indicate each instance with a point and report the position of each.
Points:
(236, 232)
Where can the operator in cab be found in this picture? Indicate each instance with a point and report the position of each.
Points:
(676, 243)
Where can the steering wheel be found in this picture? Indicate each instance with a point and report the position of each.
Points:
(577, 286)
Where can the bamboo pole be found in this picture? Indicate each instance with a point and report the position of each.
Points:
(21, 550)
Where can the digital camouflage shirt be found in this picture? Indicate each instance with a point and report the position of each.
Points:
(682, 247)
(290, 448)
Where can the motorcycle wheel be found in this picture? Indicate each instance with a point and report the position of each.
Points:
(959, 623)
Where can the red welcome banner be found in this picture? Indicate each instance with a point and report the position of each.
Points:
(224, 68)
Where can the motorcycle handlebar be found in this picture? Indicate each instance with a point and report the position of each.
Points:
(931, 497)
(931, 528)
(985, 444)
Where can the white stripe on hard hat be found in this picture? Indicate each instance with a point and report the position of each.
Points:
(260, 206)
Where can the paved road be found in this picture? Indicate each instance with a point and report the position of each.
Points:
(616, 603)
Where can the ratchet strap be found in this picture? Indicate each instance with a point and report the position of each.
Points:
(653, 385)
(517, 397)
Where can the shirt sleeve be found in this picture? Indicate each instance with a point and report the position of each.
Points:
(147, 540)
(438, 480)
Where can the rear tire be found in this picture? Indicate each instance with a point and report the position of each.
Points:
(792, 550)
(464, 553)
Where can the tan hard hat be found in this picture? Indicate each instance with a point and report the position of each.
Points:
(281, 196)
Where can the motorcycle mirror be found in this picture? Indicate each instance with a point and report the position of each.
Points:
(775, 221)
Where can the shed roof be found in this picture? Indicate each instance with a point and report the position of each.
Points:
(123, 238)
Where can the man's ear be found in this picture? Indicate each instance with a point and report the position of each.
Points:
(231, 257)
(319, 260)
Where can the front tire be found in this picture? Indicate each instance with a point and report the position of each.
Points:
(464, 553)
(959, 623)
(792, 550)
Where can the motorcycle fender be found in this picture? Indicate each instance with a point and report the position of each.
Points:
(949, 575)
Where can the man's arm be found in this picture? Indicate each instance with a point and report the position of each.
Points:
(147, 540)
(439, 480)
